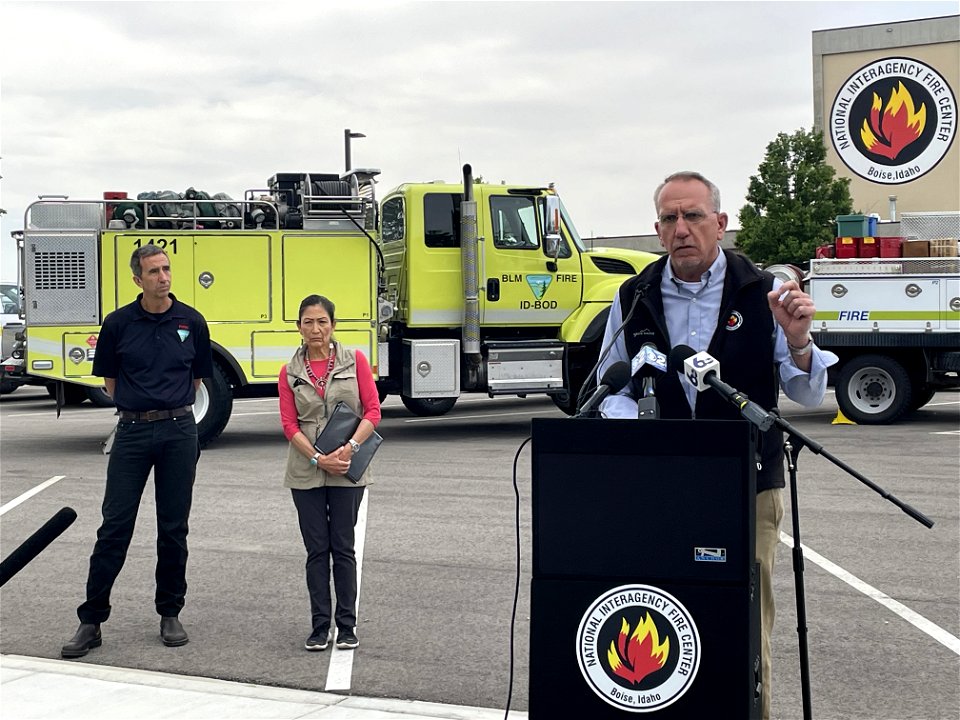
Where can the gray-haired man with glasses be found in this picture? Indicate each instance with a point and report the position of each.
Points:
(758, 327)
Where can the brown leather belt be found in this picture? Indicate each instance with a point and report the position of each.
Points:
(153, 415)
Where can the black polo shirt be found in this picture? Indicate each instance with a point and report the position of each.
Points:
(153, 357)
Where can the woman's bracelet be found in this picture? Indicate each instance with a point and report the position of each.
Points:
(804, 349)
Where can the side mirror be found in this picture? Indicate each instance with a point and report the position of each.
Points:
(551, 220)
(551, 245)
(551, 230)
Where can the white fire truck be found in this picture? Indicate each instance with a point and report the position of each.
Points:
(893, 322)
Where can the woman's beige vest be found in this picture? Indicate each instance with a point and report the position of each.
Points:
(312, 414)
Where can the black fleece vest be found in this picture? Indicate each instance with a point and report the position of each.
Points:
(743, 343)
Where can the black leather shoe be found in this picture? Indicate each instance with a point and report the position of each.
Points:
(172, 632)
(87, 637)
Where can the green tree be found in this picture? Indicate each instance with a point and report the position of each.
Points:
(793, 201)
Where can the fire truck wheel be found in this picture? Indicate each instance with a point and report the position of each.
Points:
(428, 407)
(922, 394)
(566, 402)
(213, 406)
(73, 394)
(873, 390)
(98, 396)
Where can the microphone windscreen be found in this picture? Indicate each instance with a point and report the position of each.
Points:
(36, 543)
(679, 355)
(616, 376)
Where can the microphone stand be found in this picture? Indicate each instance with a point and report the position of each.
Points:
(794, 443)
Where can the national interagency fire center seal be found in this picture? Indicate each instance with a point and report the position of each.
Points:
(893, 120)
(638, 648)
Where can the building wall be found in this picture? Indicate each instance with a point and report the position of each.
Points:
(915, 157)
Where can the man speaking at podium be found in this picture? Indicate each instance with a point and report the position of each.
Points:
(757, 327)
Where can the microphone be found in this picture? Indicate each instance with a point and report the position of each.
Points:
(36, 543)
(645, 365)
(648, 362)
(613, 381)
(702, 371)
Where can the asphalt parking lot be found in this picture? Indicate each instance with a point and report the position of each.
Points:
(438, 567)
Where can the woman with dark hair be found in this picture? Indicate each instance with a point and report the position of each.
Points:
(321, 373)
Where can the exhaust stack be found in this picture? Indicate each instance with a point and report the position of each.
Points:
(468, 257)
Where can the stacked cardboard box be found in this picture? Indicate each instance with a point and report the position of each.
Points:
(916, 248)
(943, 247)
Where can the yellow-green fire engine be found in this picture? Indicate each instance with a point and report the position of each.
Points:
(447, 289)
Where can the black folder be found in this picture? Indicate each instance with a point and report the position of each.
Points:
(340, 427)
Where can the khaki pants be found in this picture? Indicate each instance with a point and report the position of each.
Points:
(769, 515)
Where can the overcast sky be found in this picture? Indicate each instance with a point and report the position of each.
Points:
(603, 99)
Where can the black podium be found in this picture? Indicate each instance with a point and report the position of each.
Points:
(645, 593)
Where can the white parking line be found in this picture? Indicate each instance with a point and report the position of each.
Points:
(64, 416)
(949, 641)
(30, 493)
(340, 671)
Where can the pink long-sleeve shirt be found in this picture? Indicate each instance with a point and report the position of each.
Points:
(369, 398)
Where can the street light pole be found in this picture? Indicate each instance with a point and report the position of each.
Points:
(347, 136)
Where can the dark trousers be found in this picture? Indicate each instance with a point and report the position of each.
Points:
(327, 518)
(170, 448)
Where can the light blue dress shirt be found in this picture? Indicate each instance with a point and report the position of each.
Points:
(692, 310)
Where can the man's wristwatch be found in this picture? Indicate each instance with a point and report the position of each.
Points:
(313, 460)
(804, 349)
(355, 445)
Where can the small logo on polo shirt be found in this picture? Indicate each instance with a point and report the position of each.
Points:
(184, 332)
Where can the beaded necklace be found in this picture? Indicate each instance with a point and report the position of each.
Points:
(320, 383)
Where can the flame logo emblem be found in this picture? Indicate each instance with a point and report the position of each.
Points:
(896, 127)
(638, 648)
(634, 656)
(893, 120)
(734, 321)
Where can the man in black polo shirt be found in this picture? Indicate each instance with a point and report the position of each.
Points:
(152, 355)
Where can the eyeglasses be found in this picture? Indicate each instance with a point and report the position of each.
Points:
(690, 217)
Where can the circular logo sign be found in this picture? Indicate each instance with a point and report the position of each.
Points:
(893, 120)
(638, 648)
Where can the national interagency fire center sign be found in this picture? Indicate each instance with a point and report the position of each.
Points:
(893, 120)
(638, 648)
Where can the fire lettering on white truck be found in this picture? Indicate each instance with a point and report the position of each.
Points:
(851, 315)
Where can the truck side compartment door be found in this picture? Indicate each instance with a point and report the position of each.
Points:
(231, 277)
